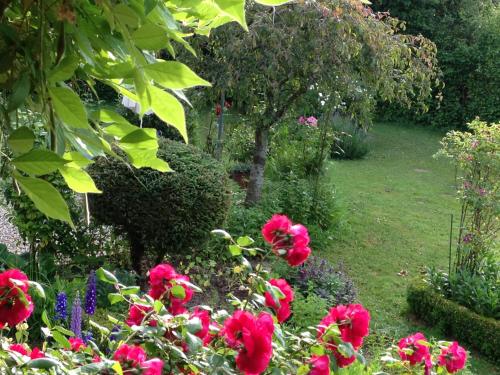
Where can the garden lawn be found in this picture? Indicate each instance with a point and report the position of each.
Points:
(398, 201)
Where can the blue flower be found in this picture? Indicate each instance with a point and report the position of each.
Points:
(76, 316)
(90, 295)
(61, 307)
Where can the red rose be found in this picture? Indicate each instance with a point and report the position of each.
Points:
(414, 349)
(320, 365)
(341, 360)
(300, 235)
(161, 279)
(297, 255)
(136, 315)
(252, 337)
(21, 349)
(130, 355)
(13, 308)
(218, 109)
(275, 229)
(37, 353)
(152, 367)
(204, 317)
(453, 358)
(283, 311)
(353, 322)
(77, 344)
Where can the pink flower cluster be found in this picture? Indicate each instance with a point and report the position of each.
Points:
(252, 337)
(133, 357)
(282, 310)
(287, 240)
(309, 121)
(24, 350)
(416, 350)
(15, 303)
(353, 321)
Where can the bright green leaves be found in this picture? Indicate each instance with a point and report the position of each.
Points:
(174, 75)
(235, 9)
(21, 140)
(64, 70)
(126, 15)
(150, 37)
(272, 2)
(169, 109)
(38, 162)
(78, 180)
(68, 107)
(141, 146)
(45, 197)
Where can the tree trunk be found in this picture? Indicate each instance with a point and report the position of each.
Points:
(137, 252)
(256, 182)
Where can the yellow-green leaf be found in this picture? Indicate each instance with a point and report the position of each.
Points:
(64, 70)
(272, 2)
(234, 9)
(45, 197)
(174, 75)
(78, 180)
(68, 106)
(150, 37)
(21, 140)
(38, 162)
(169, 109)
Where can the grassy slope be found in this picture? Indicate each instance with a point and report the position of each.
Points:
(399, 200)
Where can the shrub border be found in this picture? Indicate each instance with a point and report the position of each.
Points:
(479, 332)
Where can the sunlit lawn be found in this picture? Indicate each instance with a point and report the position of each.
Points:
(399, 200)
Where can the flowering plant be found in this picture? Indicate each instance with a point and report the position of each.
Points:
(309, 121)
(162, 334)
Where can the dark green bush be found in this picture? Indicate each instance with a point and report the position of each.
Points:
(466, 326)
(308, 310)
(162, 213)
(350, 140)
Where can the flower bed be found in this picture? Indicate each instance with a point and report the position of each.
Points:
(479, 332)
(162, 335)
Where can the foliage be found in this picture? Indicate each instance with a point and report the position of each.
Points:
(477, 155)
(161, 335)
(307, 310)
(156, 210)
(478, 292)
(350, 140)
(468, 43)
(79, 249)
(240, 142)
(319, 277)
(480, 332)
(55, 52)
(342, 48)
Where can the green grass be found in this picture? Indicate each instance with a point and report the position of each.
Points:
(399, 200)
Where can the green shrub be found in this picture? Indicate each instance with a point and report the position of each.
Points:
(308, 310)
(479, 332)
(350, 140)
(240, 143)
(162, 213)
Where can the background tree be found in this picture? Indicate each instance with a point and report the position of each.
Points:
(341, 48)
(467, 35)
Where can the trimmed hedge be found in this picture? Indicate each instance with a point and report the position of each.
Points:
(480, 333)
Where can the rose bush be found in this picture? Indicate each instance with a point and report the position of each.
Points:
(162, 334)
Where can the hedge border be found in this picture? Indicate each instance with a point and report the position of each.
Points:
(476, 331)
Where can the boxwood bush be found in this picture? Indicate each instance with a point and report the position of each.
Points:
(162, 213)
(479, 332)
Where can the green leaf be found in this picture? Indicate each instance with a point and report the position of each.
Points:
(38, 162)
(61, 339)
(43, 363)
(141, 146)
(234, 9)
(193, 342)
(245, 241)
(45, 197)
(115, 298)
(223, 233)
(76, 160)
(21, 140)
(64, 70)
(178, 291)
(174, 75)
(78, 180)
(169, 109)
(45, 318)
(126, 15)
(150, 37)
(106, 276)
(68, 106)
(194, 325)
(63, 330)
(20, 92)
(38, 288)
(235, 250)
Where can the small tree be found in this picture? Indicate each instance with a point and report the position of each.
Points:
(338, 47)
(477, 154)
